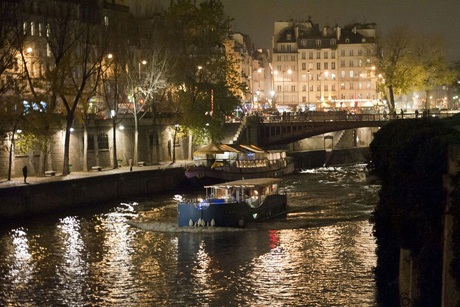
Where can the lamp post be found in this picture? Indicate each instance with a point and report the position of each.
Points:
(113, 114)
(143, 62)
(176, 128)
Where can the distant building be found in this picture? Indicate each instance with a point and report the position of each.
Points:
(262, 79)
(322, 68)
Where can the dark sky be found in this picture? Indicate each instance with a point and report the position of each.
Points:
(435, 17)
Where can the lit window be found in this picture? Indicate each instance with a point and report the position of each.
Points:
(106, 21)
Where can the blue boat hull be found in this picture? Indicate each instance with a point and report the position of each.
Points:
(234, 214)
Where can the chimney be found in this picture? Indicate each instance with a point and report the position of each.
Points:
(338, 32)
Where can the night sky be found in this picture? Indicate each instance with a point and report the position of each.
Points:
(256, 17)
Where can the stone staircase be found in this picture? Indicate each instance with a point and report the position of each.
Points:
(233, 132)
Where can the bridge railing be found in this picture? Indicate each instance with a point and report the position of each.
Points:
(315, 116)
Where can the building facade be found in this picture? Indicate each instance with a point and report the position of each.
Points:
(324, 68)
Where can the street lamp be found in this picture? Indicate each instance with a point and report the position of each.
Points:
(143, 62)
(114, 111)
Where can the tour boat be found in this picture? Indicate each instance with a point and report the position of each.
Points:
(234, 162)
(234, 204)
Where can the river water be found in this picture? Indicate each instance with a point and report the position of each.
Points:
(322, 254)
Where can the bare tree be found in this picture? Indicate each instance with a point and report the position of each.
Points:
(147, 78)
(76, 41)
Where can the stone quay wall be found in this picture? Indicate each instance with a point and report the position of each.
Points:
(54, 196)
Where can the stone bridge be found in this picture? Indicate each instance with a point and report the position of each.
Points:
(270, 131)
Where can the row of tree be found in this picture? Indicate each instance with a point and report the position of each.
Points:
(66, 62)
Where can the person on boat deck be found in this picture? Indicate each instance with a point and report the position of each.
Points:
(232, 193)
(247, 193)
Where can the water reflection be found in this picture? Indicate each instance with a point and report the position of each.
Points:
(322, 254)
(72, 269)
(19, 259)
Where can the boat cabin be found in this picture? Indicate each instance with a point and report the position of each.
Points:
(252, 191)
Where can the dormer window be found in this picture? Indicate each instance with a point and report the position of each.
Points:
(333, 42)
(347, 40)
(289, 36)
(318, 42)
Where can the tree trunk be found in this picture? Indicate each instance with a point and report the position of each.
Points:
(392, 98)
(85, 146)
(174, 146)
(136, 134)
(154, 155)
(10, 157)
(114, 131)
(427, 101)
(65, 167)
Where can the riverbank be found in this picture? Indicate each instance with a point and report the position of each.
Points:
(56, 193)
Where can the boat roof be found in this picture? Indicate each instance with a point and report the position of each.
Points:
(215, 148)
(246, 183)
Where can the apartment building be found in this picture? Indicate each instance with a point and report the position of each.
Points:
(324, 68)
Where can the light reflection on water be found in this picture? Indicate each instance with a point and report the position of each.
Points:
(322, 254)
